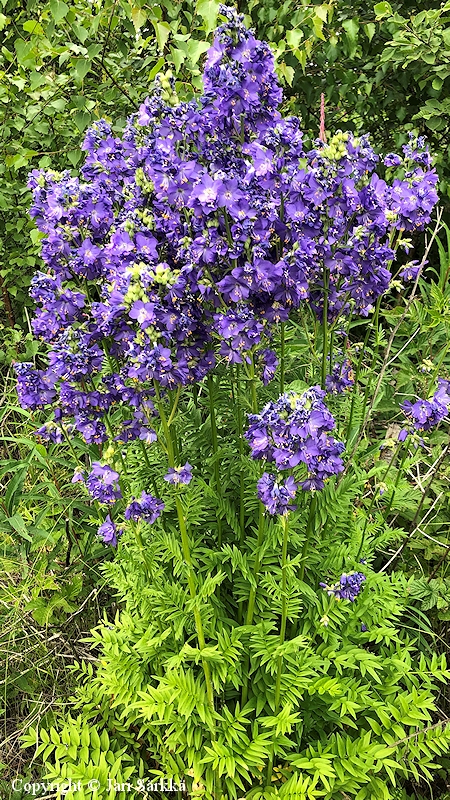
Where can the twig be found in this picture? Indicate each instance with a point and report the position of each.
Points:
(388, 361)
(415, 527)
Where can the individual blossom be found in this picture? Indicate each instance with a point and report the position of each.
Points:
(109, 532)
(347, 587)
(269, 362)
(176, 475)
(51, 432)
(147, 508)
(341, 378)
(411, 271)
(426, 414)
(103, 483)
(276, 495)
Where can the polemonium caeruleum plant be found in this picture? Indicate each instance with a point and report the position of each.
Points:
(257, 652)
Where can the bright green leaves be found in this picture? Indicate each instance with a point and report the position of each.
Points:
(162, 31)
(58, 10)
(351, 27)
(383, 9)
(208, 10)
(139, 17)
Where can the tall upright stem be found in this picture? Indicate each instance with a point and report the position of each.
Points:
(397, 478)
(252, 595)
(186, 550)
(372, 503)
(309, 532)
(356, 379)
(285, 524)
(326, 279)
(241, 453)
(282, 357)
(374, 354)
(212, 416)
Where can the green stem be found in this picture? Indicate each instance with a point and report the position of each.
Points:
(370, 328)
(149, 466)
(193, 592)
(66, 437)
(212, 416)
(174, 407)
(397, 478)
(326, 277)
(186, 551)
(253, 387)
(310, 526)
(241, 455)
(282, 357)
(252, 595)
(372, 503)
(285, 524)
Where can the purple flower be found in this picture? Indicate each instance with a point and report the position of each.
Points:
(269, 361)
(347, 588)
(177, 475)
(194, 234)
(103, 483)
(411, 271)
(277, 496)
(294, 431)
(340, 379)
(425, 414)
(392, 160)
(148, 508)
(109, 532)
(35, 387)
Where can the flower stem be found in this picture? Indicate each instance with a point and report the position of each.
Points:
(212, 417)
(310, 526)
(282, 357)
(186, 551)
(285, 524)
(252, 595)
(397, 478)
(326, 278)
(372, 503)
(241, 454)
(149, 466)
(193, 592)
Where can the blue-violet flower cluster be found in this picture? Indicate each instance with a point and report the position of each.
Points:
(347, 587)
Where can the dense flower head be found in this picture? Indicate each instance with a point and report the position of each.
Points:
(426, 414)
(347, 587)
(294, 430)
(276, 495)
(177, 475)
(147, 508)
(186, 241)
(35, 387)
(103, 483)
(109, 532)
